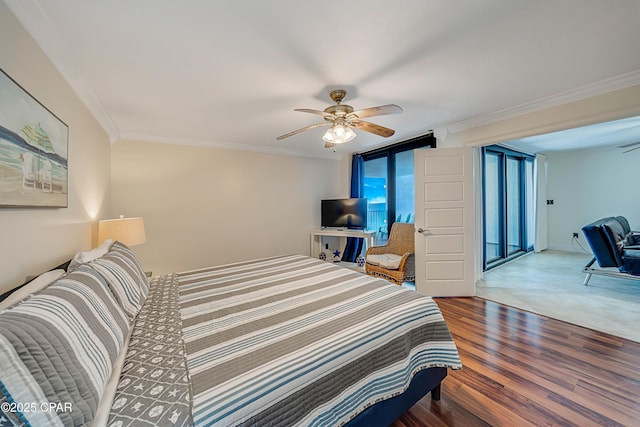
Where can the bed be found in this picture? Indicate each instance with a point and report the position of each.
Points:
(288, 340)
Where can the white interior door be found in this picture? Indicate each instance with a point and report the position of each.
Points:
(445, 221)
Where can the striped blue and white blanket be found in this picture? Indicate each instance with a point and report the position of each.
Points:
(296, 341)
(283, 341)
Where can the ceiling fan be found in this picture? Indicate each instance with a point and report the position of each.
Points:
(342, 118)
(632, 146)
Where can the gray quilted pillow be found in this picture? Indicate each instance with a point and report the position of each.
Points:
(125, 277)
(58, 348)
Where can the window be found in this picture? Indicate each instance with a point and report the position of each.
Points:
(389, 184)
(507, 204)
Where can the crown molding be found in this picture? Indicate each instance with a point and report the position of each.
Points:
(594, 89)
(195, 142)
(37, 23)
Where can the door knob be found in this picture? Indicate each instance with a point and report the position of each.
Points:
(424, 231)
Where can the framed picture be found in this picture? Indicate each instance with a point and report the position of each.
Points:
(33, 150)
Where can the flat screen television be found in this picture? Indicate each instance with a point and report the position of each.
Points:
(344, 213)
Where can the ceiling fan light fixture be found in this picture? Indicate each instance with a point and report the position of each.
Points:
(341, 118)
(339, 134)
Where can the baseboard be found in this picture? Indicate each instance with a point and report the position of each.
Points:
(565, 248)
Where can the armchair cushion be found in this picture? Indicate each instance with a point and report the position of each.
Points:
(632, 240)
(388, 261)
(615, 234)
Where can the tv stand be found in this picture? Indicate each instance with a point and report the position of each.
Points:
(316, 237)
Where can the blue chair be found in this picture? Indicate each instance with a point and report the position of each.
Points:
(613, 245)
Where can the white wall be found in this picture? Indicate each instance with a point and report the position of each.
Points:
(209, 206)
(34, 240)
(587, 185)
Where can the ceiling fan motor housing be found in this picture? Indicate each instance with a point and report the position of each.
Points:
(338, 95)
(339, 110)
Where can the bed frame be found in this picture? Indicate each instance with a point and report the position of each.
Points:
(387, 411)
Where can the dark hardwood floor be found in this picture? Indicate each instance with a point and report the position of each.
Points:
(522, 369)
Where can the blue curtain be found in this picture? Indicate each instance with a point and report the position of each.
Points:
(355, 244)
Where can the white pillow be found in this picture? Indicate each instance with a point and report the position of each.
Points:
(33, 286)
(388, 261)
(88, 256)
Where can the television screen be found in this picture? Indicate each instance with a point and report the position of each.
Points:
(349, 213)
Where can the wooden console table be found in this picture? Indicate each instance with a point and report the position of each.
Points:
(369, 237)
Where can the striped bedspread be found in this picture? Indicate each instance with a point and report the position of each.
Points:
(297, 341)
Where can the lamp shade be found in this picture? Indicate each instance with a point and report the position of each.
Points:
(339, 134)
(129, 231)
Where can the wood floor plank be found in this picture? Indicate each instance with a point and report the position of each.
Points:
(520, 368)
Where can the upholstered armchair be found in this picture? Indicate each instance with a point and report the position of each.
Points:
(613, 244)
(394, 261)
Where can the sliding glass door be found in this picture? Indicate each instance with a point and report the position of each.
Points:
(493, 218)
(513, 205)
(389, 185)
(375, 191)
(507, 204)
(404, 186)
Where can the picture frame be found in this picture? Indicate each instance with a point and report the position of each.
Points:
(34, 146)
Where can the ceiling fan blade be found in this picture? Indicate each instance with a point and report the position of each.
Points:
(317, 125)
(629, 145)
(318, 112)
(377, 111)
(631, 149)
(372, 128)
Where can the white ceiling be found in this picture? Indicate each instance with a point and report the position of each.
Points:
(230, 73)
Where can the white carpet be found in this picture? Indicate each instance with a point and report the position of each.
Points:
(550, 283)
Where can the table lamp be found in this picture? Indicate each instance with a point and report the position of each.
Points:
(129, 231)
